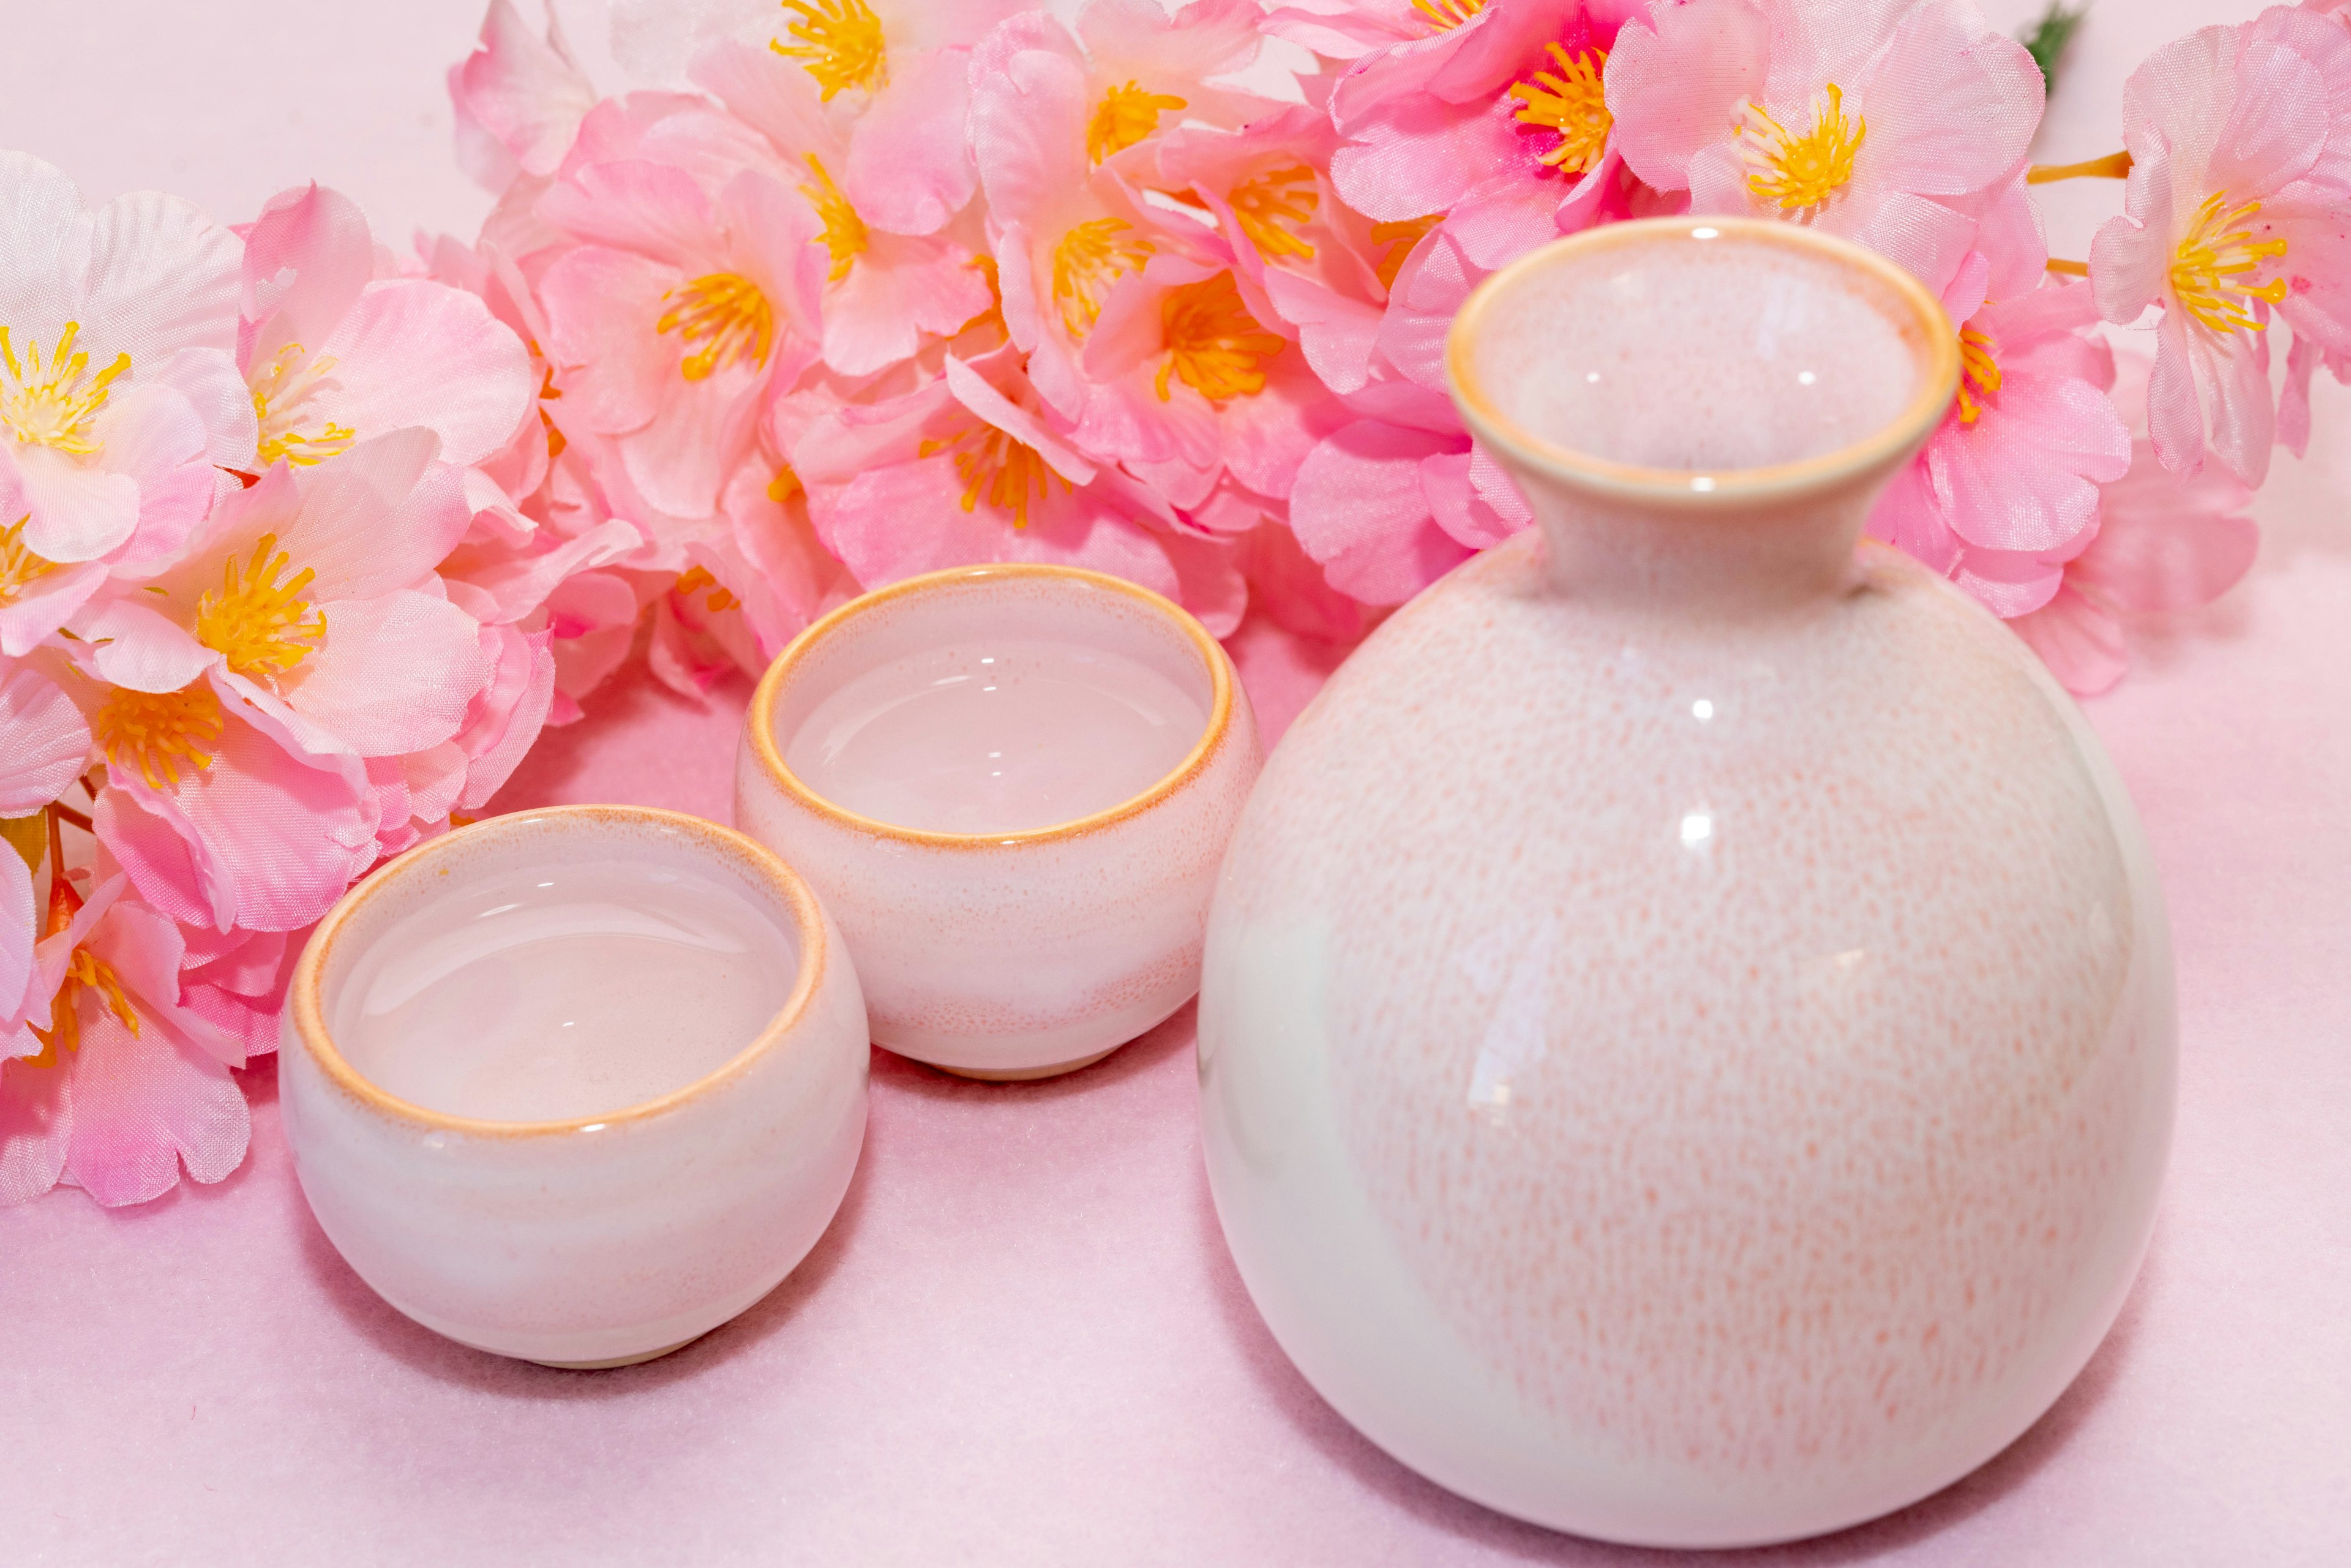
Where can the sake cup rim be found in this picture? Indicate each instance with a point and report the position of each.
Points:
(753, 859)
(760, 725)
(1939, 380)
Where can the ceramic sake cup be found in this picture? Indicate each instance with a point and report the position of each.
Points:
(1011, 955)
(597, 1239)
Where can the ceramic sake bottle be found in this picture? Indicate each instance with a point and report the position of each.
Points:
(1687, 1044)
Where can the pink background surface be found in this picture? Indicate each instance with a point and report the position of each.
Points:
(1022, 1341)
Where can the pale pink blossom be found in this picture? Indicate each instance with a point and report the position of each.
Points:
(885, 291)
(519, 99)
(2163, 543)
(118, 392)
(691, 291)
(899, 66)
(2240, 171)
(44, 746)
(334, 355)
(967, 469)
(1492, 117)
(1888, 124)
(130, 1084)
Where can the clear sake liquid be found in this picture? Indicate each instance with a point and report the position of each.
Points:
(565, 991)
(998, 737)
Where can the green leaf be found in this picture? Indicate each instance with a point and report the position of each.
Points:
(30, 835)
(2046, 40)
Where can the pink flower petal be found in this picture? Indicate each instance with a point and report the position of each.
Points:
(144, 1103)
(44, 743)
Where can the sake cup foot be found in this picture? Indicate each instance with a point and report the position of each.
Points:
(1024, 1074)
(639, 1359)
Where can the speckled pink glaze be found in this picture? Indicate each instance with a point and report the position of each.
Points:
(1017, 954)
(604, 1239)
(1686, 1036)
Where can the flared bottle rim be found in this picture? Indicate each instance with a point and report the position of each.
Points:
(1927, 326)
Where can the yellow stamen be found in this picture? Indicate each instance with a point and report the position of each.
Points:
(84, 971)
(1797, 172)
(157, 731)
(19, 567)
(1273, 206)
(1572, 103)
(1444, 16)
(2212, 261)
(993, 315)
(998, 467)
(1124, 117)
(280, 388)
(785, 485)
(841, 43)
(2113, 166)
(53, 405)
(844, 232)
(1089, 258)
(726, 313)
(1979, 372)
(1400, 236)
(696, 578)
(261, 626)
(1213, 344)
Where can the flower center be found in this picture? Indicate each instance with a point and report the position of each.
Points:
(1273, 206)
(19, 567)
(1124, 117)
(840, 44)
(84, 971)
(1979, 372)
(1571, 102)
(1213, 344)
(157, 731)
(1444, 16)
(727, 314)
(261, 626)
(1400, 236)
(2211, 263)
(695, 579)
(53, 405)
(279, 390)
(1089, 258)
(844, 231)
(1004, 470)
(1795, 171)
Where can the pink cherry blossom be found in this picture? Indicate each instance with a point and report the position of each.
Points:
(519, 99)
(334, 355)
(1491, 115)
(967, 469)
(1889, 124)
(2240, 146)
(2007, 488)
(117, 385)
(690, 292)
(2163, 543)
(130, 1084)
(44, 744)
(883, 291)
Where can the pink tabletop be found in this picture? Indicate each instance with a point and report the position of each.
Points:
(1023, 1341)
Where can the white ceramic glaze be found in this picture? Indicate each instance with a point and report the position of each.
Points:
(1686, 1037)
(1032, 950)
(590, 1199)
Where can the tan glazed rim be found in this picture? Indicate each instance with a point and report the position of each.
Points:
(303, 1005)
(762, 717)
(1696, 487)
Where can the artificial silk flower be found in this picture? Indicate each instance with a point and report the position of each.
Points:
(899, 66)
(130, 1083)
(1493, 117)
(1891, 125)
(968, 469)
(118, 391)
(679, 305)
(2240, 140)
(44, 745)
(519, 99)
(2163, 543)
(885, 292)
(333, 355)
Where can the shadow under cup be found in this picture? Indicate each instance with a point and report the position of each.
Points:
(1011, 785)
(576, 1086)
